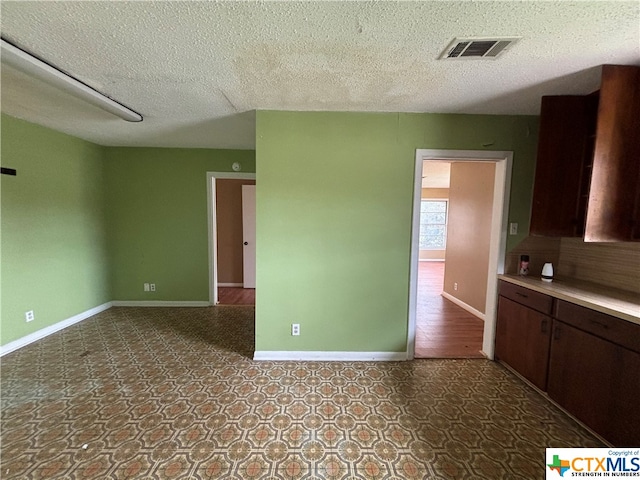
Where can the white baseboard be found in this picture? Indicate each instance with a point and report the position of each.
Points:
(331, 356)
(467, 307)
(44, 332)
(159, 303)
(230, 284)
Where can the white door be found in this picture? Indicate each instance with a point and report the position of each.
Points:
(249, 236)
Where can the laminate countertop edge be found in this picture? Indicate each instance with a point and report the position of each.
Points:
(617, 303)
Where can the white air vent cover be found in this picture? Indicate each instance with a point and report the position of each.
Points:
(474, 48)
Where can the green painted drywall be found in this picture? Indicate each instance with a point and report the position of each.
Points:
(53, 248)
(334, 210)
(157, 219)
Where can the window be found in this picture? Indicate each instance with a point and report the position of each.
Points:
(433, 224)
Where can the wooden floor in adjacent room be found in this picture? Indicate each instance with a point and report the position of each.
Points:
(236, 296)
(443, 329)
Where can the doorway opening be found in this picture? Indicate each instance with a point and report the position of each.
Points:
(498, 163)
(444, 329)
(231, 231)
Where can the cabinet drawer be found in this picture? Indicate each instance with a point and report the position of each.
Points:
(605, 326)
(529, 298)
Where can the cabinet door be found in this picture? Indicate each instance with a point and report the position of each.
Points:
(613, 213)
(598, 382)
(565, 151)
(522, 340)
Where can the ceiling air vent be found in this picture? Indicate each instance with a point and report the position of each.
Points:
(473, 48)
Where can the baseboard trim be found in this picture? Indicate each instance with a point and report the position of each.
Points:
(461, 304)
(230, 284)
(159, 303)
(56, 327)
(330, 356)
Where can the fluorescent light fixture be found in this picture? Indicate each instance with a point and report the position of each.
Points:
(33, 66)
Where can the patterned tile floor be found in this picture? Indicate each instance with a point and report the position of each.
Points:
(162, 393)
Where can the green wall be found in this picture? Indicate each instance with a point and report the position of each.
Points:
(334, 210)
(157, 219)
(53, 247)
(83, 225)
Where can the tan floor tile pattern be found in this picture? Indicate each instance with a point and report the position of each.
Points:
(164, 393)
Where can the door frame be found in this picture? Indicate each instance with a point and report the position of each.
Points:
(212, 227)
(498, 243)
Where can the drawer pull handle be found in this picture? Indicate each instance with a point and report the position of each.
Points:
(600, 324)
(556, 333)
(544, 326)
(522, 295)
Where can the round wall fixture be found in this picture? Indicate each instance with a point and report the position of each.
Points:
(236, 167)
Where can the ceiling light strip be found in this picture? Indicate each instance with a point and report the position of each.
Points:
(33, 66)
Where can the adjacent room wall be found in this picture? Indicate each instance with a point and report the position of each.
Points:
(440, 194)
(157, 219)
(54, 251)
(334, 212)
(435, 193)
(229, 233)
(469, 232)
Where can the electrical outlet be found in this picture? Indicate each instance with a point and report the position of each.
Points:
(455, 286)
(295, 329)
(146, 287)
(29, 316)
(513, 228)
(152, 286)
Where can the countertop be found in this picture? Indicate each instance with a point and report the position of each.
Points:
(614, 302)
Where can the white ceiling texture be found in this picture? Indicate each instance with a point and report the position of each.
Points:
(197, 71)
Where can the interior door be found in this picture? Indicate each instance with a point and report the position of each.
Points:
(249, 236)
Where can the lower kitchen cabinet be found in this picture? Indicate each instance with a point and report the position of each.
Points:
(522, 340)
(597, 381)
(586, 361)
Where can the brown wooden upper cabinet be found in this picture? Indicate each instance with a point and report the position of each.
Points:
(613, 213)
(563, 169)
(587, 180)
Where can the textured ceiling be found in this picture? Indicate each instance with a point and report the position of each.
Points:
(197, 71)
(436, 174)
